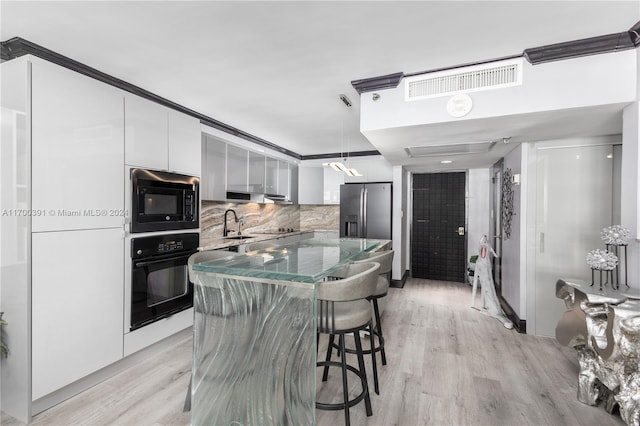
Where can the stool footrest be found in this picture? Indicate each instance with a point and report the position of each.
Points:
(351, 402)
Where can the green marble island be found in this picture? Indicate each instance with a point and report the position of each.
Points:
(254, 356)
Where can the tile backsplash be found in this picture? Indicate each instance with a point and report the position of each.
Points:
(266, 218)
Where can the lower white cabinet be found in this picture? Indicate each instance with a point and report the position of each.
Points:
(77, 310)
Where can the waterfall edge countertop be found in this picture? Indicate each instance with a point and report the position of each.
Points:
(306, 261)
(254, 355)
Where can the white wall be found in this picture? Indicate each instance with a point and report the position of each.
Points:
(331, 185)
(478, 202)
(321, 185)
(512, 282)
(630, 210)
(398, 229)
(310, 185)
(603, 79)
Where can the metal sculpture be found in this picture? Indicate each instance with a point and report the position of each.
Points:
(604, 329)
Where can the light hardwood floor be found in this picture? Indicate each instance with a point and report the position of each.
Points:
(448, 364)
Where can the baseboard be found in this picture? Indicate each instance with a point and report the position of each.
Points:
(519, 324)
(400, 283)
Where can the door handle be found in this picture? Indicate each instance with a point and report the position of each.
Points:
(460, 230)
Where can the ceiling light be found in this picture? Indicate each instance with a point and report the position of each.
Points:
(339, 166)
(446, 162)
(336, 167)
(448, 149)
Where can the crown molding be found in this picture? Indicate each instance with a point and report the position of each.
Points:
(340, 155)
(576, 48)
(16, 47)
(388, 81)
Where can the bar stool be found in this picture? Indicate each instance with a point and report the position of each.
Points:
(385, 259)
(343, 308)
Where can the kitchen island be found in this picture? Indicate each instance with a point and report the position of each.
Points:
(255, 333)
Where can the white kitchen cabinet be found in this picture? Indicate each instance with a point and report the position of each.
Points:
(272, 176)
(213, 184)
(77, 151)
(256, 172)
(293, 183)
(160, 138)
(283, 179)
(311, 185)
(184, 143)
(78, 313)
(237, 168)
(146, 133)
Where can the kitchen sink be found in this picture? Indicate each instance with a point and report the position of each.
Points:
(238, 237)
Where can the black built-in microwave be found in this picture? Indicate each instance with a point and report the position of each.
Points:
(163, 201)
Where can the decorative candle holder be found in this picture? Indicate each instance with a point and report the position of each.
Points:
(601, 260)
(617, 238)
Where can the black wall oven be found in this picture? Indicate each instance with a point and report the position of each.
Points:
(163, 201)
(160, 283)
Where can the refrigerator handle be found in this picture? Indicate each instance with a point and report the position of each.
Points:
(363, 213)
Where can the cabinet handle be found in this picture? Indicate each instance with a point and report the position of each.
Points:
(542, 242)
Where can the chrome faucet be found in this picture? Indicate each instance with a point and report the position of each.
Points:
(225, 230)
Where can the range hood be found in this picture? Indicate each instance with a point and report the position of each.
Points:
(257, 198)
(275, 198)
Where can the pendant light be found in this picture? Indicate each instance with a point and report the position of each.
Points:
(339, 166)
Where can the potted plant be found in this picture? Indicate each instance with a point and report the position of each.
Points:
(3, 348)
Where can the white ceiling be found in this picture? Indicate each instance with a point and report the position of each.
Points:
(275, 69)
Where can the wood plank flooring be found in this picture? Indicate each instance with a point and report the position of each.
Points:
(448, 364)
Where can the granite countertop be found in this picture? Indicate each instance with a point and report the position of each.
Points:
(223, 243)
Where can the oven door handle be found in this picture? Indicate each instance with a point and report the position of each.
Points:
(153, 262)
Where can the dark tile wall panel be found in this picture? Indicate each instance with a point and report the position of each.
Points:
(437, 251)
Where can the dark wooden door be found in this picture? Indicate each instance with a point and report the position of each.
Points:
(438, 240)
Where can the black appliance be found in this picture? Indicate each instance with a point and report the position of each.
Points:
(163, 201)
(160, 283)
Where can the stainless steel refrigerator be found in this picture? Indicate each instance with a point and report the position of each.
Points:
(365, 210)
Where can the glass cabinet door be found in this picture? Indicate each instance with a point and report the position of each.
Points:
(256, 172)
(237, 170)
(283, 178)
(272, 176)
(214, 169)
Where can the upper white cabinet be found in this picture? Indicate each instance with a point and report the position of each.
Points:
(231, 168)
(146, 133)
(283, 179)
(184, 143)
(256, 172)
(213, 184)
(160, 138)
(77, 151)
(272, 176)
(237, 168)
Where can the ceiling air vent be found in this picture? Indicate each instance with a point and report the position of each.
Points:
(449, 149)
(474, 78)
